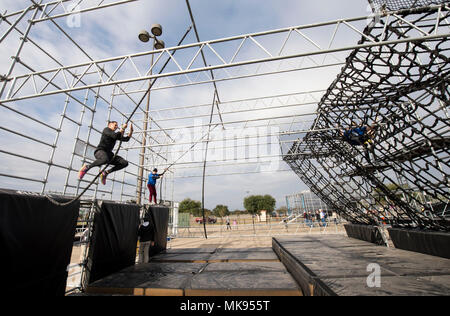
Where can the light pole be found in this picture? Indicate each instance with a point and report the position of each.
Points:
(144, 36)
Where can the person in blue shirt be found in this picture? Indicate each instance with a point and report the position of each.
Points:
(151, 184)
(360, 135)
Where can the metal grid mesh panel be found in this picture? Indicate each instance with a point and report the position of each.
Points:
(402, 90)
(394, 5)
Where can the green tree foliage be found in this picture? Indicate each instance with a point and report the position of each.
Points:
(221, 211)
(269, 203)
(255, 203)
(191, 206)
(251, 204)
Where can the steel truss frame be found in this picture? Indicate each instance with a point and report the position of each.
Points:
(91, 74)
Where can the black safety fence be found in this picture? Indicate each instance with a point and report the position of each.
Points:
(113, 240)
(159, 218)
(431, 243)
(36, 238)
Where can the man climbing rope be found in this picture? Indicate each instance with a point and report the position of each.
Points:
(360, 135)
(104, 152)
(151, 184)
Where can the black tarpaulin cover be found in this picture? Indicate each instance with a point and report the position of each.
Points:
(36, 239)
(114, 239)
(159, 218)
(364, 232)
(427, 242)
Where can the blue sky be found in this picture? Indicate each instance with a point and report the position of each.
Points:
(113, 32)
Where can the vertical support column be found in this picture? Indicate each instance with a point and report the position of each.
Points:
(88, 138)
(110, 108)
(83, 111)
(140, 178)
(66, 184)
(77, 135)
(55, 143)
(123, 176)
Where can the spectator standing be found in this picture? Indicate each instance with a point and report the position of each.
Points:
(146, 235)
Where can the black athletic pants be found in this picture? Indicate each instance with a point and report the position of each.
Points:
(104, 158)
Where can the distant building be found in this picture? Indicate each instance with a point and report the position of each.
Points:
(305, 201)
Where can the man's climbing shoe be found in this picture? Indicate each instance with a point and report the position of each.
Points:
(103, 176)
(82, 172)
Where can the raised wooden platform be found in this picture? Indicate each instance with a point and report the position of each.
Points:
(338, 265)
(203, 272)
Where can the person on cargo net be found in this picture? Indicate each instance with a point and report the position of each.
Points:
(360, 135)
(104, 151)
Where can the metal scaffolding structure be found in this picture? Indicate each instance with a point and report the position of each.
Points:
(305, 202)
(401, 90)
(398, 71)
(395, 5)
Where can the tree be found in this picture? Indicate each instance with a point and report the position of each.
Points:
(251, 204)
(255, 203)
(221, 211)
(190, 206)
(269, 203)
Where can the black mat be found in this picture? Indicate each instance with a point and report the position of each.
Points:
(338, 265)
(257, 275)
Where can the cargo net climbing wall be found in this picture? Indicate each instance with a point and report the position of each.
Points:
(395, 5)
(399, 92)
